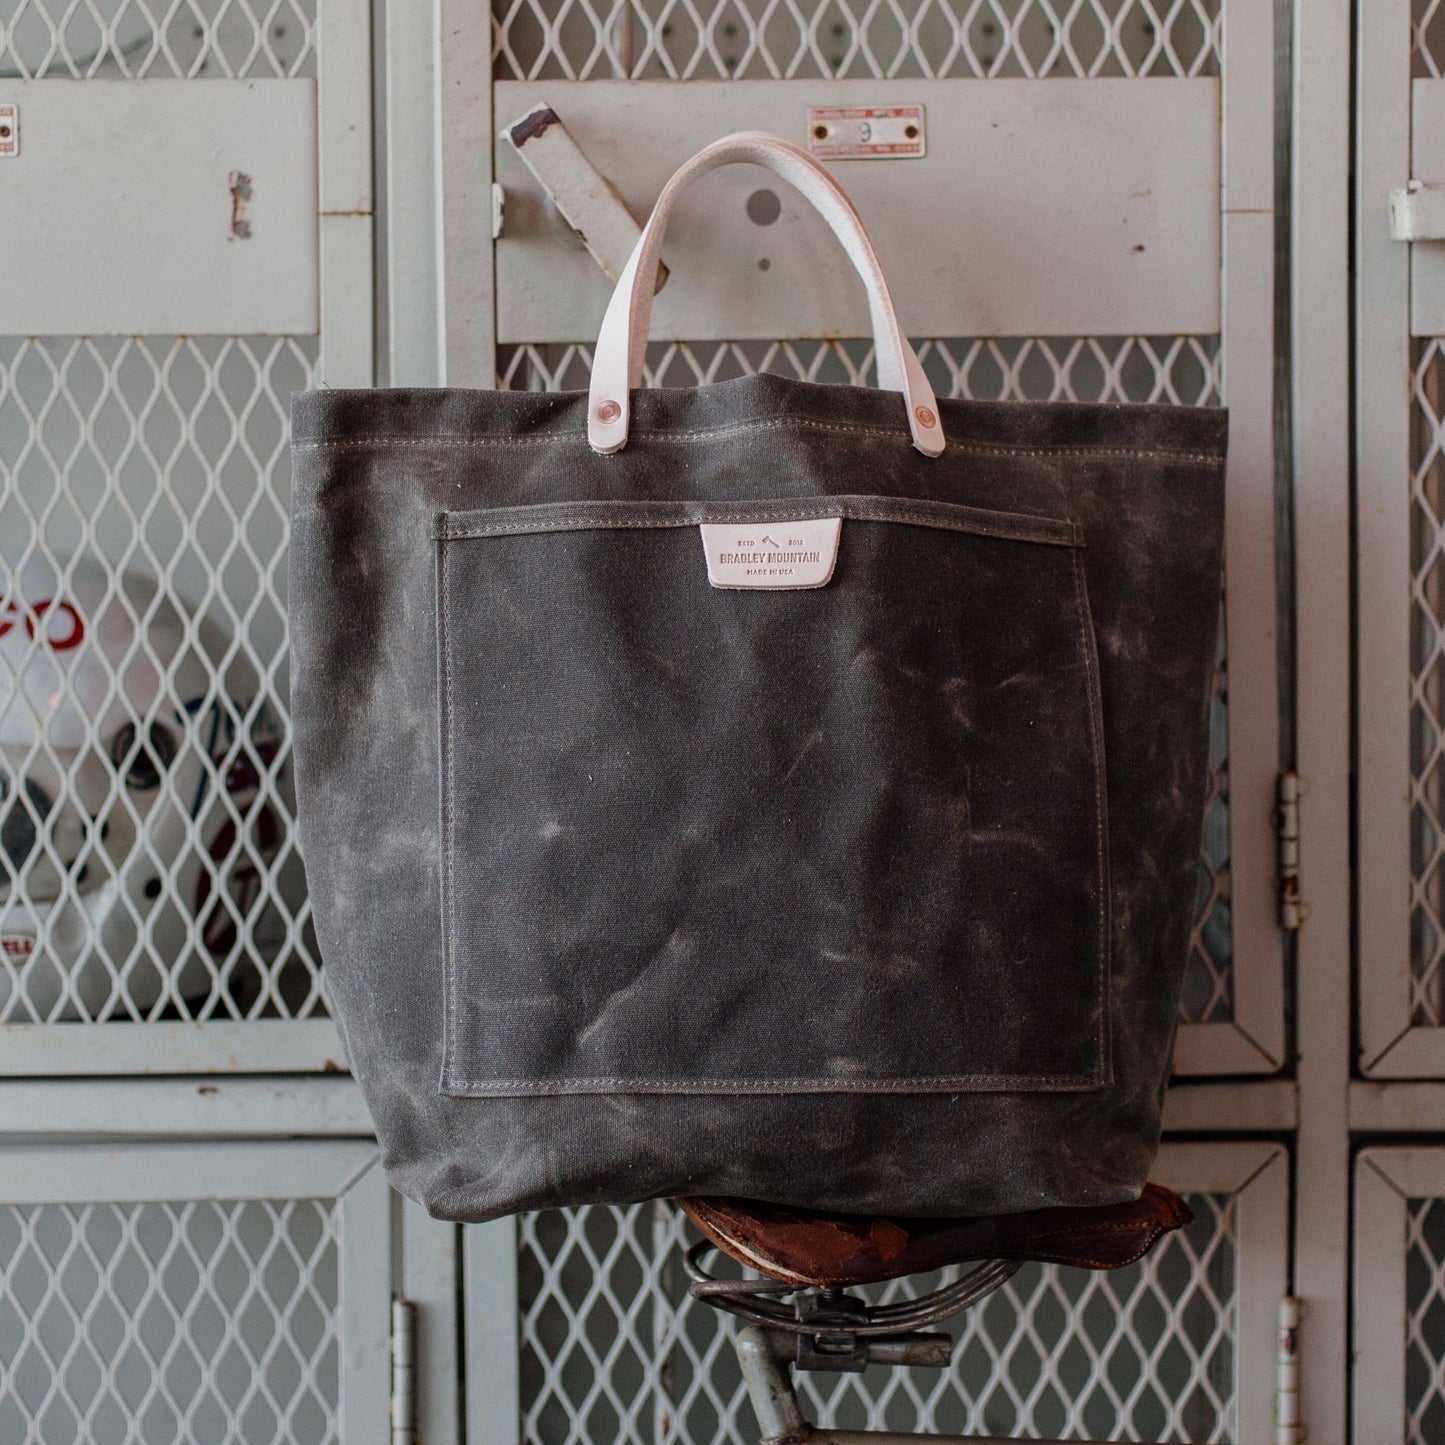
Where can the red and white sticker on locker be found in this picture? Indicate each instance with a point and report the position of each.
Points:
(857, 132)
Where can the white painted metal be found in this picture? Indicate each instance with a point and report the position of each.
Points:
(168, 458)
(1256, 1106)
(1393, 1106)
(344, 113)
(1399, 1283)
(1417, 211)
(1320, 450)
(263, 1045)
(1252, 1039)
(216, 1108)
(1380, 1327)
(465, 120)
(1422, 208)
(1400, 1032)
(1101, 194)
(1182, 1346)
(583, 199)
(412, 281)
(614, 1270)
(364, 1283)
(1235, 1018)
(430, 1280)
(403, 1372)
(164, 1240)
(1286, 1400)
(714, 39)
(494, 1411)
(125, 191)
(146, 40)
(1256, 1178)
(1293, 909)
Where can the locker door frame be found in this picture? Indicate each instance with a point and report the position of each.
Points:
(344, 141)
(296, 1130)
(1392, 1045)
(1385, 1181)
(349, 1173)
(1252, 1041)
(1255, 1173)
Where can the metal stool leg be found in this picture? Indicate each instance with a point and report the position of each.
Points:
(766, 1356)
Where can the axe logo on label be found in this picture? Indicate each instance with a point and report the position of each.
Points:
(782, 554)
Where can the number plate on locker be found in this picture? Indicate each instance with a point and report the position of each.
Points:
(850, 132)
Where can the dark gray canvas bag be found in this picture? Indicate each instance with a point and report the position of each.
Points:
(763, 789)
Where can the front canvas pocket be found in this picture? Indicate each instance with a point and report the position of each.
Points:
(850, 837)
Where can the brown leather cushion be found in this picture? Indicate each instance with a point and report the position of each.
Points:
(806, 1247)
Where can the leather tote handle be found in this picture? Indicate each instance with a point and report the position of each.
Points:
(622, 342)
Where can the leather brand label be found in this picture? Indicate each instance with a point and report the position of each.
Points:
(771, 554)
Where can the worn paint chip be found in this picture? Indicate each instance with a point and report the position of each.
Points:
(240, 184)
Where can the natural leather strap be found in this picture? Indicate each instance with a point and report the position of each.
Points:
(622, 342)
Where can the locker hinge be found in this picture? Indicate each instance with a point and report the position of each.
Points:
(1293, 910)
(1287, 1427)
(403, 1372)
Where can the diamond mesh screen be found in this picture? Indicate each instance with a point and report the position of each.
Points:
(612, 1350)
(149, 867)
(155, 39)
(198, 1323)
(1178, 369)
(1425, 1321)
(1428, 47)
(1427, 699)
(899, 39)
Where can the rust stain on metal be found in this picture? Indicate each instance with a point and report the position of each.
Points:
(332, 1067)
(240, 184)
(207, 1089)
(531, 126)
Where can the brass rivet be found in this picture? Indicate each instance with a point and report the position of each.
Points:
(608, 411)
(925, 417)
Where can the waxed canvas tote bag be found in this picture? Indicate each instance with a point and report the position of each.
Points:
(768, 789)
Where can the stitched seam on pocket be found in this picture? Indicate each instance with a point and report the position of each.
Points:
(453, 1085)
(908, 1084)
(546, 517)
(1093, 699)
(448, 820)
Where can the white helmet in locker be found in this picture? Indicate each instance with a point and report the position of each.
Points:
(122, 794)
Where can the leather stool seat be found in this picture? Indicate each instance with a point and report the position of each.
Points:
(813, 1248)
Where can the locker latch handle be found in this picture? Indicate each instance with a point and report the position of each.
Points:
(584, 197)
(1417, 212)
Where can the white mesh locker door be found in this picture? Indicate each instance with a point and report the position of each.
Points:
(1177, 1348)
(1400, 1296)
(1401, 523)
(194, 1293)
(642, 85)
(152, 898)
